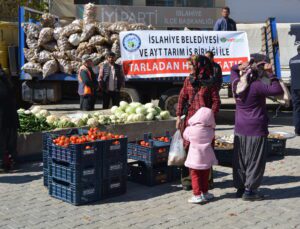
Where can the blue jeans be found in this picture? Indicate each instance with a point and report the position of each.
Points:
(296, 109)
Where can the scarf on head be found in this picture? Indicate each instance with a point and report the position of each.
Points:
(202, 70)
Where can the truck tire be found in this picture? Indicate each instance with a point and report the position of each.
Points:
(130, 95)
(169, 100)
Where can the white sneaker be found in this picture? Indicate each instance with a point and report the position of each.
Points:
(196, 200)
(207, 196)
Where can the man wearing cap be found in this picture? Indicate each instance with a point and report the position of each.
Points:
(295, 89)
(111, 80)
(87, 84)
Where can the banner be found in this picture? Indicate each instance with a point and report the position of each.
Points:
(153, 53)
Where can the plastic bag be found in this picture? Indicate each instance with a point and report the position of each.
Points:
(46, 35)
(50, 46)
(58, 31)
(88, 31)
(74, 39)
(89, 13)
(48, 20)
(71, 29)
(32, 68)
(44, 56)
(49, 68)
(31, 55)
(177, 154)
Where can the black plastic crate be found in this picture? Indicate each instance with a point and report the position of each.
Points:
(113, 187)
(113, 150)
(114, 168)
(140, 173)
(224, 156)
(150, 155)
(75, 173)
(82, 193)
(276, 147)
(45, 178)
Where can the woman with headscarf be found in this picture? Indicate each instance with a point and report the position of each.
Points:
(198, 91)
(251, 125)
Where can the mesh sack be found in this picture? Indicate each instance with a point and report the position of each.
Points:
(88, 31)
(32, 43)
(116, 49)
(71, 54)
(58, 31)
(102, 50)
(75, 65)
(78, 22)
(31, 30)
(83, 48)
(48, 20)
(98, 40)
(64, 44)
(89, 13)
(31, 55)
(102, 28)
(50, 46)
(119, 26)
(74, 39)
(49, 68)
(71, 29)
(96, 58)
(65, 66)
(32, 68)
(59, 55)
(138, 26)
(44, 56)
(46, 35)
(114, 37)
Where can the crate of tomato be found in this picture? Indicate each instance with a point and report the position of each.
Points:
(149, 150)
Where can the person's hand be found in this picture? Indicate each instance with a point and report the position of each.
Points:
(243, 66)
(178, 122)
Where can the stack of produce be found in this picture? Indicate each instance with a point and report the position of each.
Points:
(52, 48)
(85, 166)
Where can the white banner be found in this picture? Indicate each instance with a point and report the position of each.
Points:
(154, 53)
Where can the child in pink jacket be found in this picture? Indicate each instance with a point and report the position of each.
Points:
(201, 157)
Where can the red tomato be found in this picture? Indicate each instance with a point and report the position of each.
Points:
(103, 138)
(121, 136)
(87, 147)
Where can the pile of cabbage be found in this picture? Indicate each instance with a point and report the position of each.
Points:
(136, 112)
(38, 119)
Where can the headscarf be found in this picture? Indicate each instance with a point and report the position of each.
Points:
(202, 70)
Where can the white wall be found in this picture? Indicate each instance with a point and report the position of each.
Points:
(257, 11)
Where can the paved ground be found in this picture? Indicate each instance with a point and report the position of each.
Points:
(25, 203)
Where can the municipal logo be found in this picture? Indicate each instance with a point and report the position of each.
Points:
(232, 39)
(131, 42)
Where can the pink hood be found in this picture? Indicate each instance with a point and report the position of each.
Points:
(204, 116)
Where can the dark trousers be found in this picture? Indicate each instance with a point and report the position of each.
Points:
(296, 109)
(111, 95)
(249, 161)
(199, 181)
(8, 145)
(87, 102)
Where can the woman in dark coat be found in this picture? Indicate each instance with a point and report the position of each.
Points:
(199, 90)
(9, 122)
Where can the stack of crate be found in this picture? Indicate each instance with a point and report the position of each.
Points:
(150, 166)
(87, 172)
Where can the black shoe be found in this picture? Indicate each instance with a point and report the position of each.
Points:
(187, 187)
(239, 193)
(252, 196)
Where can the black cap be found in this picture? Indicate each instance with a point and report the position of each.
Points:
(111, 54)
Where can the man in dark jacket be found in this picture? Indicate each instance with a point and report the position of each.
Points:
(295, 89)
(111, 80)
(9, 122)
(225, 23)
(217, 74)
(87, 84)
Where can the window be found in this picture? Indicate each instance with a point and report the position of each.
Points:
(160, 2)
(104, 2)
(195, 3)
